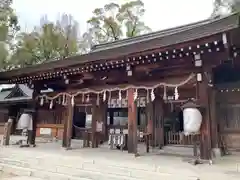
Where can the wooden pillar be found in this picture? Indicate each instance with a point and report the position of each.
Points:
(104, 107)
(99, 113)
(214, 121)
(64, 138)
(149, 111)
(132, 122)
(205, 138)
(159, 121)
(94, 124)
(7, 131)
(67, 134)
(35, 104)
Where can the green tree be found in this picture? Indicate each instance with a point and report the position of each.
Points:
(49, 41)
(8, 29)
(225, 6)
(114, 22)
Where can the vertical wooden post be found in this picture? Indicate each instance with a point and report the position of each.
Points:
(205, 139)
(64, 138)
(67, 134)
(214, 123)
(104, 107)
(150, 124)
(159, 121)
(94, 124)
(7, 131)
(132, 122)
(32, 135)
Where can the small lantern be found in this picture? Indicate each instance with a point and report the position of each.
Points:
(192, 117)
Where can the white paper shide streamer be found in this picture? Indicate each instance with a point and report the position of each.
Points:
(72, 101)
(41, 101)
(152, 95)
(120, 95)
(176, 93)
(51, 104)
(135, 95)
(104, 96)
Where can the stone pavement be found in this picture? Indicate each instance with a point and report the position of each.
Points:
(22, 178)
(49, 161)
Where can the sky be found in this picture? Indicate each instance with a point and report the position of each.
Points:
(160, 14)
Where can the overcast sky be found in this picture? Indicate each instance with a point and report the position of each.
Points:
(160, 14)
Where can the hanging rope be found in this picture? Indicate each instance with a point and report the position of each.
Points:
(88, 91)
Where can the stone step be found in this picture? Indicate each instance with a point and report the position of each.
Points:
(97, 164)
(91, 171)
(97, 168)
(77, 167)
(28, 172)
(73, 174)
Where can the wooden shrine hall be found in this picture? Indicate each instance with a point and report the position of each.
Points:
(141, 83)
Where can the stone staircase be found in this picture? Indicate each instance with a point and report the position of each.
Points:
(76, 166)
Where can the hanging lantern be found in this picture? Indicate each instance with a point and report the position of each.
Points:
(104, 96)
(72, 101)
(176, 93)
(41, 101)
(51, 104)
(192, 118)
(152, 95)
(165, 93)
(120, 95)
(135, 95)
(25, 121)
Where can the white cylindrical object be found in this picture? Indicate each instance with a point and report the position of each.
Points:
(25, 122)
(192, 118)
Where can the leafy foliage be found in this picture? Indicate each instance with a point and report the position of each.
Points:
(47, 42)
(8, 29)
(225, 6)
(56, 40)
(114, 22)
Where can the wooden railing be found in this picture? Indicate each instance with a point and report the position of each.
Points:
(177, 138)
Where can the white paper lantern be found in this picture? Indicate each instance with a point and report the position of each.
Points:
(25, 122)
(192, 118)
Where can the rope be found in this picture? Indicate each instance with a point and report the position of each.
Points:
(87, 91)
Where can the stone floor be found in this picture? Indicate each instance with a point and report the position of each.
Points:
(227, 167)
(20, 178)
